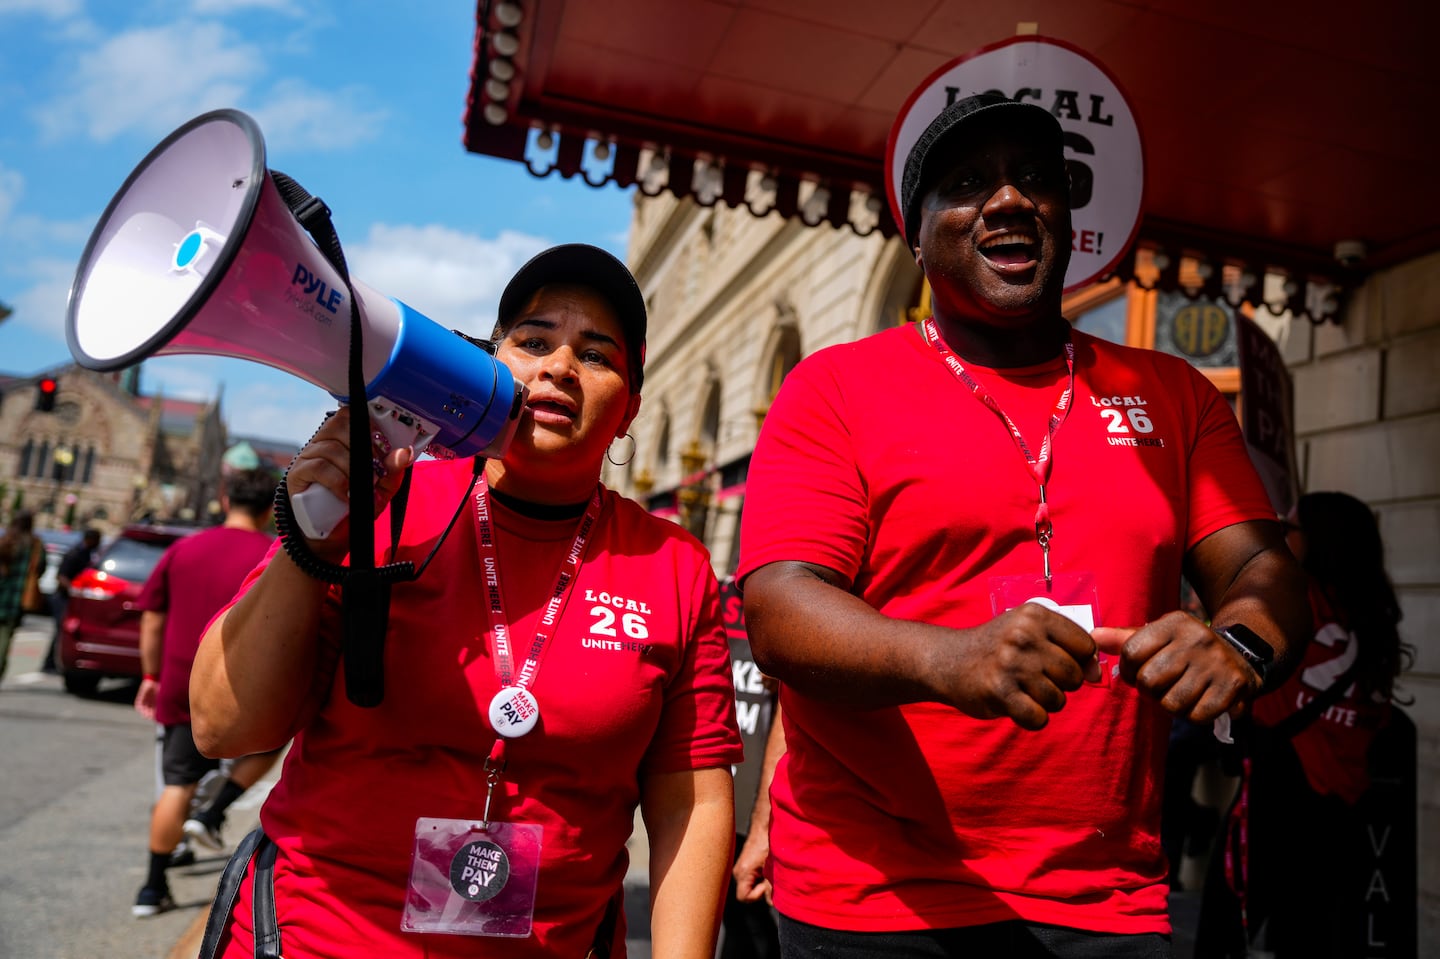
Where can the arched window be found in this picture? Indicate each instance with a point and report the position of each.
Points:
(662, 445)
(710, 417)
(782, 353)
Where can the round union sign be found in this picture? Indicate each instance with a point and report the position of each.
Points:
(1102, 140)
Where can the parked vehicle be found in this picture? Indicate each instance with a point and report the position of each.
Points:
(57, 543)
(100, 633)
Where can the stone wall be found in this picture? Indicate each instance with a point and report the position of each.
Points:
(1367, 422)
(127, 467)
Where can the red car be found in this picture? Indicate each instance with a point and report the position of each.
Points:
(100, 634)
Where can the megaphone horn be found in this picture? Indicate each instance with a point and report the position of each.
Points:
(198, 253)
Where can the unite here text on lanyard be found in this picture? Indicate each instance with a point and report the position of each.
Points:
(500, 623)
(1039, 465)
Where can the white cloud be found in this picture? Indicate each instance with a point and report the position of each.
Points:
(29, 232)
(620, 239)
(195, 378)
(279, 408)
(148, 81)
(454, 278)
(12, 186)
(38, 286)
(151, 80)
(296, 116)
(227, 7)
(52, 9)
(41, 306)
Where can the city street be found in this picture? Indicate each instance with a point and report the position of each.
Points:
(75, 802)
(74, 816)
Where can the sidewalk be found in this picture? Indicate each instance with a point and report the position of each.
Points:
(242, 817)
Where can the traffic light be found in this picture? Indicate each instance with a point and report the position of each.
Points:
(45, 390)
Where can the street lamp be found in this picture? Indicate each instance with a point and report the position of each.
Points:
(693, 496)
(60, 462)
(61, 458)
(137, 491)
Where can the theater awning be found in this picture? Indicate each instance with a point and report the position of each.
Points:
(1273, 131)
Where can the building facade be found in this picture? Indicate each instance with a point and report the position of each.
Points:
(105, 454)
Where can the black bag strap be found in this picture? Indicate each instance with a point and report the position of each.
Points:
(1288, 727)
(603, 944)
(225, 894)
(262, 900)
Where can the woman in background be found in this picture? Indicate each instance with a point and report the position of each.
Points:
(22, 560)
(1309, 858)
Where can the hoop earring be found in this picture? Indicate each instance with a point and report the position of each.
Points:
(627, 459)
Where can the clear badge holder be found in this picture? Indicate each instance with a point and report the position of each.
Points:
(471, 878)
(1072, 595)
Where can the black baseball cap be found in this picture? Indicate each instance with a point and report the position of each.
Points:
(924, 164)
(581, 264)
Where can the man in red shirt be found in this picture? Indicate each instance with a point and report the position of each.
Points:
(982, 517)
(196, 577)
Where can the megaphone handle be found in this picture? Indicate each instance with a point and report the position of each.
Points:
(318, 511)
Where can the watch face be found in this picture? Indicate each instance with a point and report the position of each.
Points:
(1249, 642)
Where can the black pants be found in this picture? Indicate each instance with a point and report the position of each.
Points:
(1308, 864)
(59, 603)
(750, 931)
(1012, 940)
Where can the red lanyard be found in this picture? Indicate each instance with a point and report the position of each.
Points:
(499, 630)
(1039, 465)
(559, 595)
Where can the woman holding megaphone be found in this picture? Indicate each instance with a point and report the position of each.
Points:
(561, 663)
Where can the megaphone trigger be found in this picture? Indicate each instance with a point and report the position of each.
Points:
(318, 511)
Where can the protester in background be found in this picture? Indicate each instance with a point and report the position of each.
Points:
(752, 892)
(930, 581)
(748, 927)
(76, 560)
(204, 826)
(22, 560)
(197, 576)
(551, 601)
(1308, 861)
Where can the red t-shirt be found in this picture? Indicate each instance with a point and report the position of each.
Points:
(1333, 748)
(877, 462)
(635, 680)
(195, 578)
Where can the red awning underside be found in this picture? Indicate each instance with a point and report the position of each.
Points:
(1272, 129)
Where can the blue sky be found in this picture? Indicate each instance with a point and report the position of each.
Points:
(361, 102)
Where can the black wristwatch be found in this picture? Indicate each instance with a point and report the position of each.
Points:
(1255, 650)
